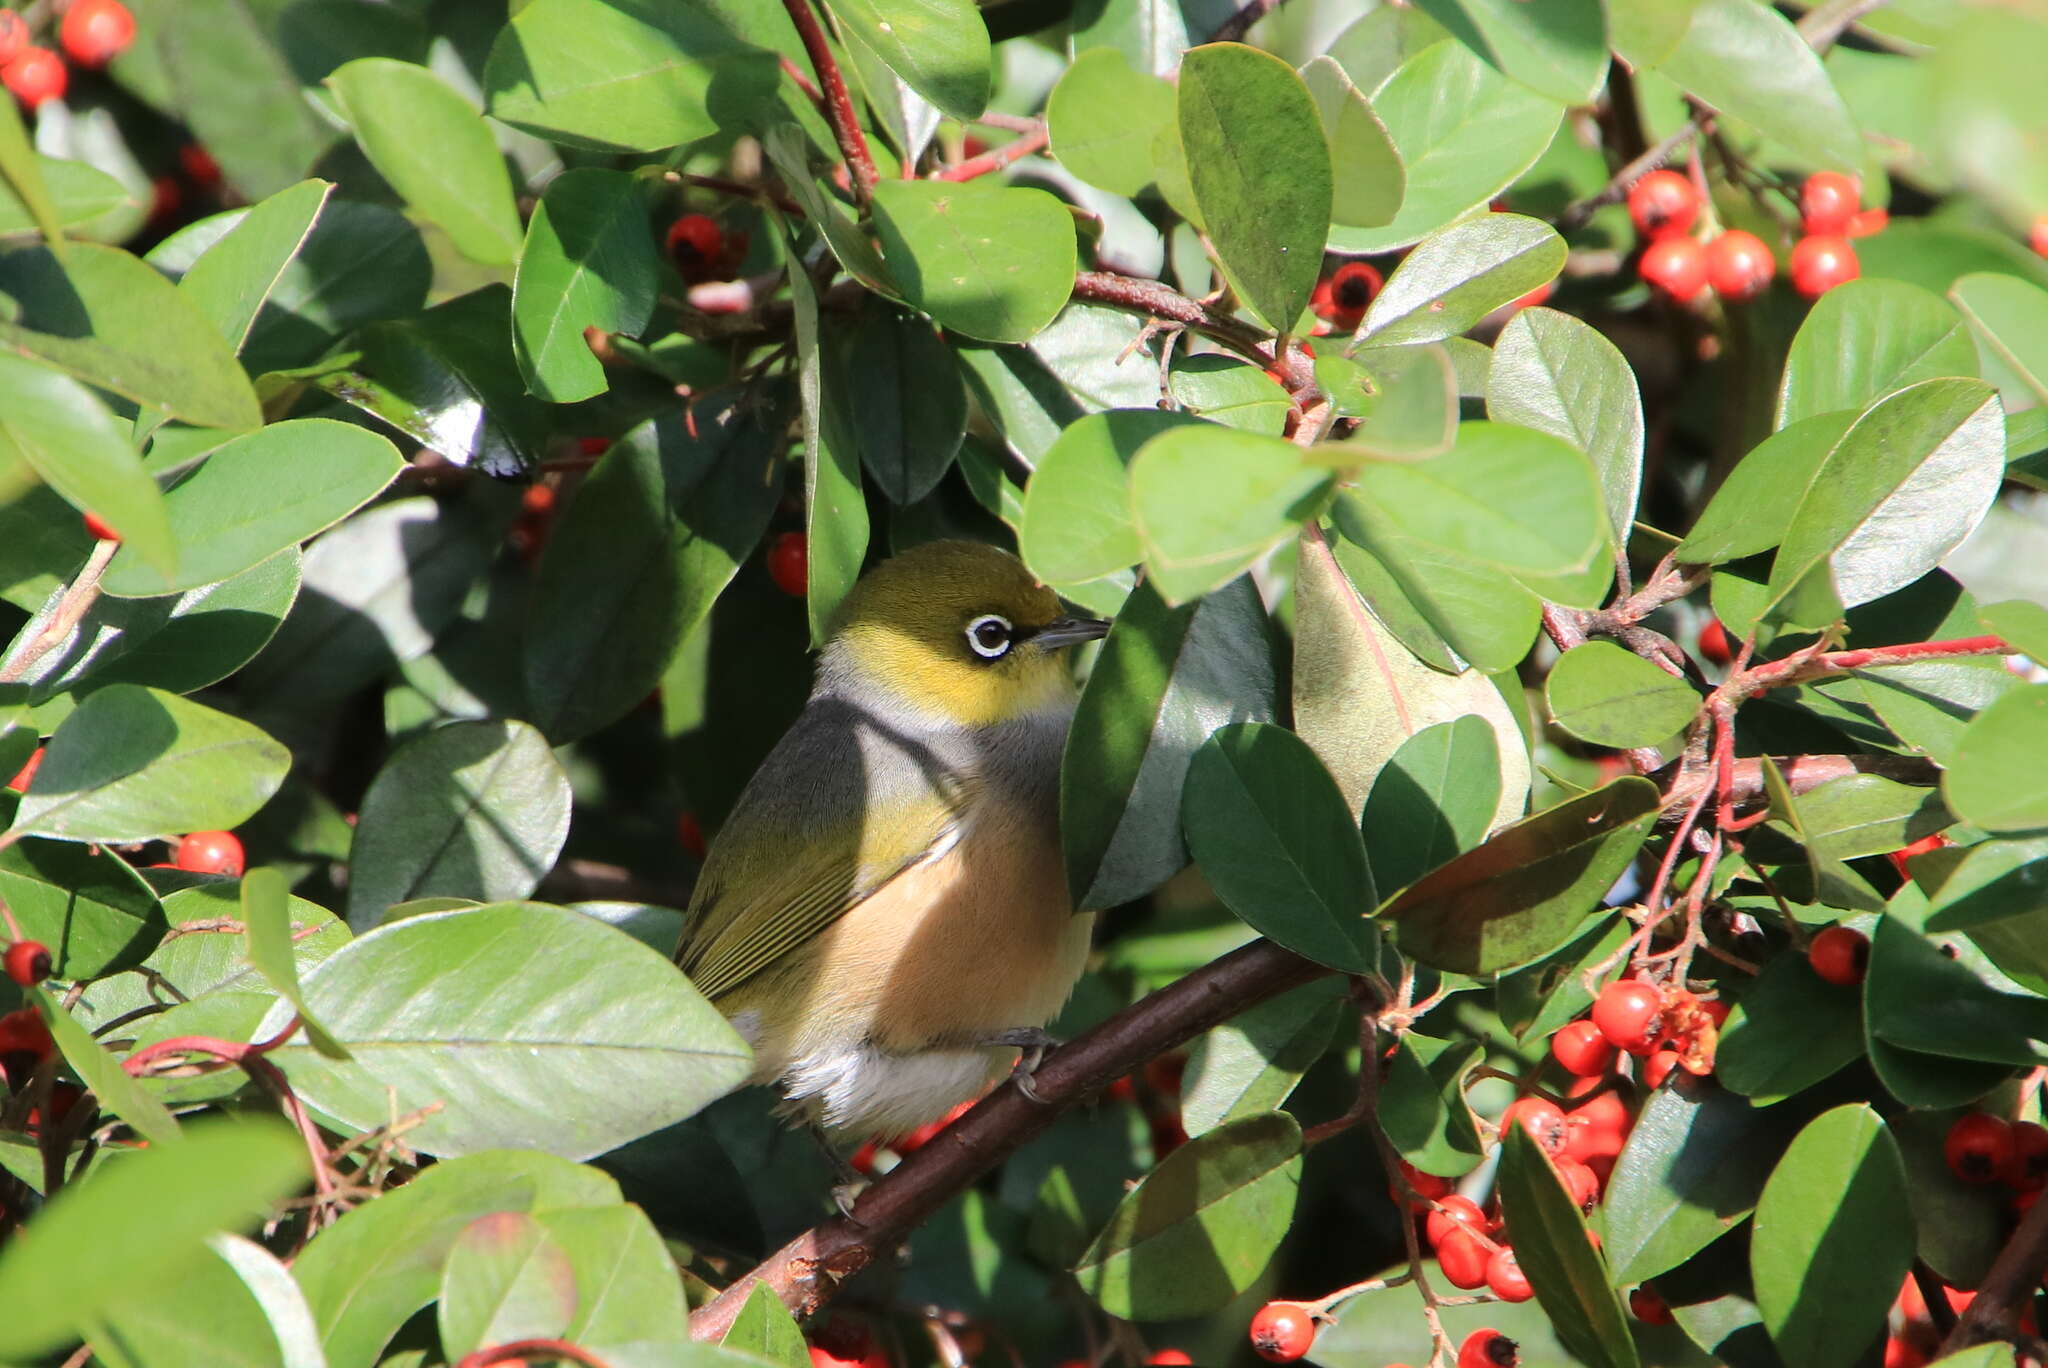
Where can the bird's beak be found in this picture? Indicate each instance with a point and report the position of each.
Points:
(1069, 631)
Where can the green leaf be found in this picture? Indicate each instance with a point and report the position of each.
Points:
(1556, 374)
(107, 319)
(1560, 52)
(88, 906)
(765, 1328)
(790, 151)
(939, 47)
(535, 1026)
(1457, 276)
(1234, 393)
(267, 924)
(506, 1279)
(58, 428)
(436, 151)
(1519, 895)
(1789, 1031)
(1368, 192)
(360, 262)
(1905, 485)
(1202, 1226)
(1463, 608)
(253, 1312)
(231, 279)
(632, 568)
(1464, 132)
(1166, 678)
(1829, 1246)
(589, 262)
(1559, 1260)
(133, 763)
(1915, 998)
(836, 526)
(1601, 693)
(259, 495)
(1438, 795)
(905, 401)
(1103, 117)
(1991, 780)
(132, 1226)
(2022, 623)
(624, 75)
(73, 194)
(475, 809)
(118, 1092)
(1993, 881)
(1360, 695)
(1077, 520)
(992, 262)
(629, 1299)
(1865, 339)
(1957, 1224)
(1260, 171)
(243, 101)
(1746, 59)
(2010, 319)
(25, 196)
(1252, 1062)
(1207, 502)
(1750, 511)
(1270, 829)
(1423, 1107)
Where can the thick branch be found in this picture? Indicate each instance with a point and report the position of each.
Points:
(1799, 668)
(806, 1271)
(1803, 774)
(853, 144)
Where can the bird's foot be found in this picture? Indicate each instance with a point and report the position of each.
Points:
(851, 1180)
(1032, 1042)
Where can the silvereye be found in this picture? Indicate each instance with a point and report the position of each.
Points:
(885, 916)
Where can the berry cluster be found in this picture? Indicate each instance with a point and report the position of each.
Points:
(1737, 265)
(91, 33)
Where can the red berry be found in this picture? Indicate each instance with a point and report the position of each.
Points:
(1488, 1348)
(1980, 1147)
(1658, 1067)
(1352, 287)
(1903, 856)
(199, 165)
(593, 446)
(1534, 297)
(2037, 236)
(211, 852)
(1676, 266)
(166, 197)
(925, 1134)
(1505, 1279)
(1663, 204)
(1541, 1118)
(789, 559)
(94, 32)
(22, 1032)
(1827, 202)
(696, 243)
(2028, 1170)
(1821, 263)
(13, 35)
(1582, 1050)
(22, 777)
(1739, 265)
(1630, 1013)
(99, 529)
(690, 835)
(1463, 1258)
(1840, 955)
(1596, 1128)
(36, 76)
(1581, 1182)
(1170, 1358)
(537, 499)
(1427, 1185)
(1282, 1332)
(28, 962)
(1453, 1213)
(1649, 1308)
(1899, 1353)
(1714, 644)
(1869, 222)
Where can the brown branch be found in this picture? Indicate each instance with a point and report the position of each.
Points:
(807, 1271)
(2007, 1289)
(1240, 23)
(853, 144)
(77, 599)
(1154, 300)
(1803, 666)
(1803, 774)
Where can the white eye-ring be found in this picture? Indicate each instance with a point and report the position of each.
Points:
(989, 636)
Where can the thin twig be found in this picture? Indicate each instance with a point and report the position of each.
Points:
(995, 159)
(76, 601)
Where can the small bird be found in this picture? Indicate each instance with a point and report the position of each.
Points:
(885, 916)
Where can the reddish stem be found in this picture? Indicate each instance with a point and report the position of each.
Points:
(1797, 669)
(996, 159)
(248, 1057)
(853, 144)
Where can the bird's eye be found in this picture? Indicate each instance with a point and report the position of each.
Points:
(989, 636)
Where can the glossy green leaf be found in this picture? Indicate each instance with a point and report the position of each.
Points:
(624, 75)
(88, 906)
(535, 1026)
(1558, 375)
(1918, 999)
(1207, 502)
(1360, 695)
(25, 194)
(1601, 693)
(1270, 829)
(1423, 1107)
(1077, 523)
(1560, 51)
(1234, 393)
(476, 809)
(1406, 403)
(1166, 678)
(1457, 276)
(253, 1312)
(225, 75)
(765, 1328)
(267, 927)
(2022, 623)
(905, 400)
(119, 1093)
(1260, 171)
(130, 1227)
(1829, 1246)
(1903, 487)
(1464, 132)
(836, 527)
(1992, 781)
(1750, 511)
(1252, 1062)
(1865, 339)
(133, 763)
(790, 151)
(992, 262)
(1956, 1224)
(1992, 881)
(1746, 59)
(506, 1279)
(1369, 179)
(1202, 1226)
(939, 47)
(360, 262)
(72, 194)
(589, 262)
(632, 568)
(2010, 320)
(259, 495)
(1557, 1257)
(231, 279)
(1788, 1032)
(1521, 893)
(1438, 795)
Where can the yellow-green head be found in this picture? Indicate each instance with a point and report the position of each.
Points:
(959, 630)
